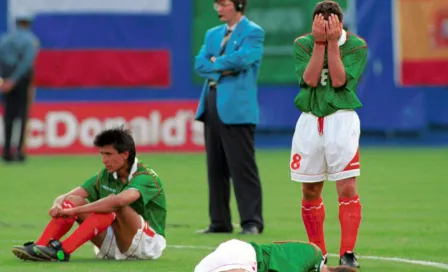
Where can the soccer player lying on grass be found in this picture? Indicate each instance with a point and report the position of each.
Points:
(124, 217)
(291, 256)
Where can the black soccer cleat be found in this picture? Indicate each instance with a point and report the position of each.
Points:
(27, 253)
(349, 259)
(53, 252)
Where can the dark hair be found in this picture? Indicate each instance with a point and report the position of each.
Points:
(341, 268)
(328, 7)
(23, 23)
(120, 138)
(237, 2)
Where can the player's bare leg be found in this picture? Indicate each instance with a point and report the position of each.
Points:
(125, 227)
(349, 218)
(313, 213)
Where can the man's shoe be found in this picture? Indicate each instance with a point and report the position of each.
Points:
(21, 157)
(53, 252)
(27, 253)
(8, 158)
(349, 259)
(211, 230)
(250, 230)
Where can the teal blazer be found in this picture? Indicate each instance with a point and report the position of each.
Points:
(237, 100)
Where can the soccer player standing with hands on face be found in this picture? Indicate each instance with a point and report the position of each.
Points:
(328, 62)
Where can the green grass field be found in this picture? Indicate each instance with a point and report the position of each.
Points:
(403, 192)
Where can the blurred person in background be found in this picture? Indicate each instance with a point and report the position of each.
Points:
(18, 50)
(229, 61)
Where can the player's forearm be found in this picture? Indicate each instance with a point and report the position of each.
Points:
(58, 201)
(237, 61)
(210, 75)
(335, 66)
(203, 65)
(78, 191)
(105, 205)
(315, 65)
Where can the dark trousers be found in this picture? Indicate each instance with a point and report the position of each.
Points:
(15, 107)
(231, 154)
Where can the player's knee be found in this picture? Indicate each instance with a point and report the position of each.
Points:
(312, 191)
(346, 187)
(126, 216)
(76, 200)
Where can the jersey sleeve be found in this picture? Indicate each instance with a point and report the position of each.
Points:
(317, 259)
(91, 186)
(148, 184)
(302, 56)
(354, 64)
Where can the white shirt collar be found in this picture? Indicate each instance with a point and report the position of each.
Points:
(343, 38)
(131, 173)
(233, 27)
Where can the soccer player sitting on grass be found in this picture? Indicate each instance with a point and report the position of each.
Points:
(124, 215)
(291, 256)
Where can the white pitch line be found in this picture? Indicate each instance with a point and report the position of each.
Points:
(401, 260)
(386, 259)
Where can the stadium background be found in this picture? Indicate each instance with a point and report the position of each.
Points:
(98, 67)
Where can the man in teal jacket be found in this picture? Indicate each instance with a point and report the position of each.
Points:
(229, 62)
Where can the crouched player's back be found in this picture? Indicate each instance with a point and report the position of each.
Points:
(288, 256)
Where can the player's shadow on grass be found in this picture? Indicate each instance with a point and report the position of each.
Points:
(93, 260)
(6, 225)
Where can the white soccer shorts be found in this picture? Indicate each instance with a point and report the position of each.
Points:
(146, 245)
(229, 255)
(326, 148)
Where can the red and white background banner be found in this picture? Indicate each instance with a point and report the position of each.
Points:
(101, 43)
(421, 42)
(70, 128)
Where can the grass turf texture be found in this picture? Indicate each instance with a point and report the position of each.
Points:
(403, 193)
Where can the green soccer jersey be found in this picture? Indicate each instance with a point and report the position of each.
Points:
(151, 205)
(324, 99)
(288, 257)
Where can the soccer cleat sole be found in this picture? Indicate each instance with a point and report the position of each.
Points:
(23, 255)
(48, 258)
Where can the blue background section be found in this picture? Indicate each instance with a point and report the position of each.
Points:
(388, 108)
(3, 15)
(93, 31)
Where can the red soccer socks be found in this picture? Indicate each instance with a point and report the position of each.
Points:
(313, 215)
(350, 219)
(92, 226)
(57, 227)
